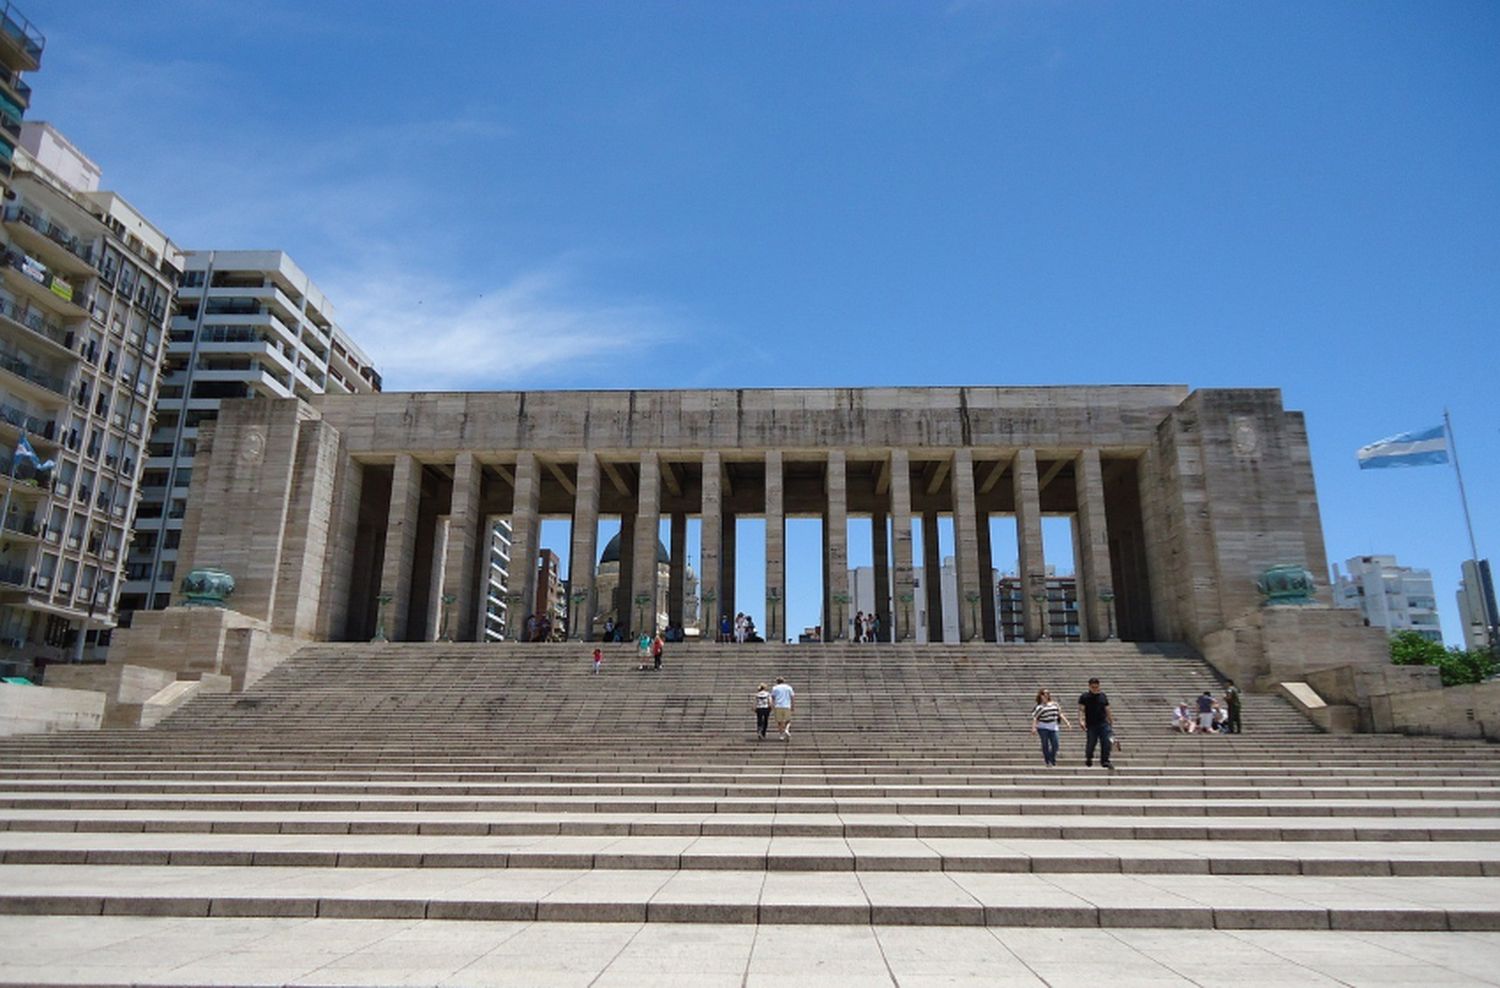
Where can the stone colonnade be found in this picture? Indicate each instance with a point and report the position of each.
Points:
(955, 483)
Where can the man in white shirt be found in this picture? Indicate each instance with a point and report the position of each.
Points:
(783, 698)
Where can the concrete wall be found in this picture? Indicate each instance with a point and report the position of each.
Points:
(192, 642)
(44, 709)
(1453, 712)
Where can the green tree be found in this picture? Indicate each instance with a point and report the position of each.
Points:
(1456, 665)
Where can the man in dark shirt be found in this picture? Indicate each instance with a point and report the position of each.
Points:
(1094, 717)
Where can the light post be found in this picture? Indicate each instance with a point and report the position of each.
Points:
(381, 600)
(512, 598)
(641, 600)
(773, 597)
(1107, 595)
(975, 631)
(444, 634)
(709, 597)
(842, 599)
(105, 580)
(1039, 595)
(576, 617)
(906, 597)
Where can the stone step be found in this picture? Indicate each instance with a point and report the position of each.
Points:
(1040, 825)
(765, 853)
(666, 895)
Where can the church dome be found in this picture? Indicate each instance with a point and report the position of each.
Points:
(612, 552)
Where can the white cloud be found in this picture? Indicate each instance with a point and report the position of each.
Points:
(425, 332)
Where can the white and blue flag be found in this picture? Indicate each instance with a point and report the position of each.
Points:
(25, 453)
(1409, 449)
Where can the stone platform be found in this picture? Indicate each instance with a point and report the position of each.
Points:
(468, 814)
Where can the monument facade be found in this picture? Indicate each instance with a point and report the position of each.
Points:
(1179, 499)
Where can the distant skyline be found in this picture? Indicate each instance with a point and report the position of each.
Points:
(581, 195)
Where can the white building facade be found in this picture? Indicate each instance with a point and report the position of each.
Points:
(1476, 605)
(1391, 596)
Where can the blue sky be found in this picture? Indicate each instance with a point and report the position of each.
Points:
(1292, 195)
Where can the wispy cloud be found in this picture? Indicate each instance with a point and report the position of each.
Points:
(426, 332)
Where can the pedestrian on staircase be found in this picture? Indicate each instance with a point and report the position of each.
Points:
(643, 646)
(783, 698)
(762, 710)
(1232, 702)
(657, 645)
(1044, 719)
(1095, 718)
(598, 659)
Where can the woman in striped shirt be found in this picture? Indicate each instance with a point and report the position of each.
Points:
(1044, 719)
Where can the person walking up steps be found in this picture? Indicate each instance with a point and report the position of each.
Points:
(783, 699)
(598, 659)
(1095, 718)
(1044, 720)
(762, 710)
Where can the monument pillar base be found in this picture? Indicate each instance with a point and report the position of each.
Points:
(1288, 642)
(192, 642)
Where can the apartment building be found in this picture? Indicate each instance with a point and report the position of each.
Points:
(86, 286)
(1391, 596)
(21, 47)
(248, 324)
(497, 595)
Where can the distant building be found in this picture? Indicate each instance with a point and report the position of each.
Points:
(1012, 597)
(1476, 605)
(1391, 596)
(612, 604)
(551, 592)
(497, 583)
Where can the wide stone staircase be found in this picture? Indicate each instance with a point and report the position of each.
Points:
(493, 785)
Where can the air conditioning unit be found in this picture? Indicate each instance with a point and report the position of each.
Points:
(43, 582)
(72, 541)
(65, 588)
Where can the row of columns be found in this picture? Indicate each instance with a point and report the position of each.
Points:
(976, 605)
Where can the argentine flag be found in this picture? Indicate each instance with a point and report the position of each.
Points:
(1409, 449)
(24, 452)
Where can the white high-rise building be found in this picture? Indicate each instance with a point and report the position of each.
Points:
(86, 287)
(497, 584)
(1476, 605)
(249, 323)
(1391, 596)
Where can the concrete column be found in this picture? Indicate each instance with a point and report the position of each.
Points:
(623, 604)
(932, 575)
(836, 550)
(646, 580)
(401, 543)
(525, 544)
(1093, 545)
(582, 605)
(966, 546)
(880, 546)
(775, 615)
(904, 622)
(300, 586)
(677, 571)
(727, 604)
(464, 541)
(1033, 564)
(986, 580)
(711, 541)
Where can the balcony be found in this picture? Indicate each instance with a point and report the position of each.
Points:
(28, 423)
(24, 527)
(13, 576)
(40, 378)
(31, 278)
(50, 243)
(38, 324)
(22, 38)
(17, 85)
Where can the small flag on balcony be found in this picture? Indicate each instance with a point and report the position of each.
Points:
(1409, 449)
(25, 452)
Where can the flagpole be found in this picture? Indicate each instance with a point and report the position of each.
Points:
(1463, 496)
